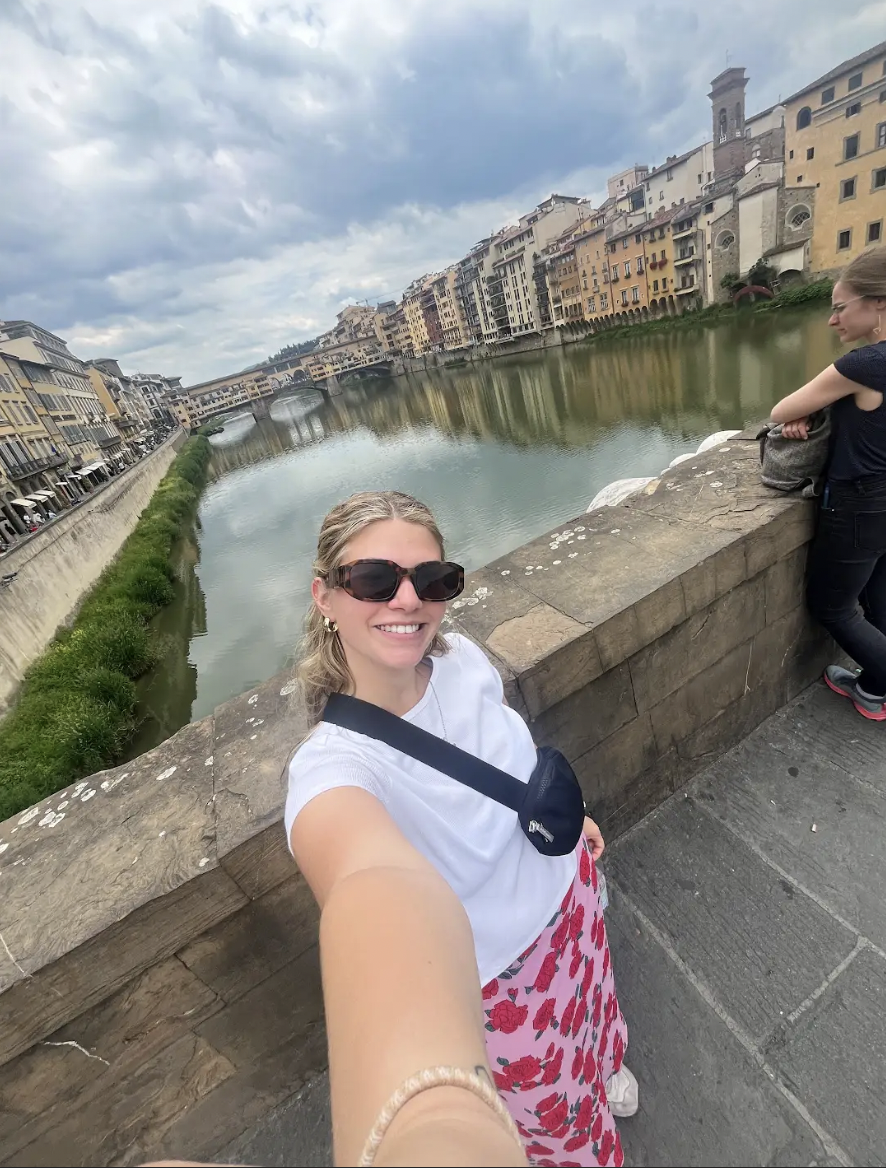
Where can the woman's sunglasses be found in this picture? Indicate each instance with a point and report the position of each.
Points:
(380, 580)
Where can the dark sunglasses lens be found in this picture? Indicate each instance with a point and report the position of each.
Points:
(439, 581)
(373, 581)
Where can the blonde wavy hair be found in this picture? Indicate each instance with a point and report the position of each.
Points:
(322, 667)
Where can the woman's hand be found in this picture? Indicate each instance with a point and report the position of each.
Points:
(799, 428)
(594, 837)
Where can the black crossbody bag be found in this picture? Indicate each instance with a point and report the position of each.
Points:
(550, 807)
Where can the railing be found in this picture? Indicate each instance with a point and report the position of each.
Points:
(35, 465)
(107, 442)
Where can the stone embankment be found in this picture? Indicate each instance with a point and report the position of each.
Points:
(56, 567)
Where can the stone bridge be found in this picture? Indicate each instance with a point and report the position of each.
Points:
(159, 982)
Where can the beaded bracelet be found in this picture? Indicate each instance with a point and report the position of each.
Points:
(424, 1081)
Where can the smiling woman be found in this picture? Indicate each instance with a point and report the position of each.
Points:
(358, 805)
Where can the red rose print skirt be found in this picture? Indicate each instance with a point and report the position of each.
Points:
(555, 1034)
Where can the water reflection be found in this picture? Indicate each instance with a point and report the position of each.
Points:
(166, 695)
(502, 450)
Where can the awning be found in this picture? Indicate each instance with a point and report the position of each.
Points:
(25, 504)
(43, 495)
(36, 498)
(92, 467)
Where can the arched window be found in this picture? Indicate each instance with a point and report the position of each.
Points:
(723, 125)
(804, 118)
(798, 215)
(738, 116)
(725, 240)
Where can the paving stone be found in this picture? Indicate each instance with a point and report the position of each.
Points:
(827, 726)
(833, 1058)
(758, 946)
(703, 1099)
(296, 1134)
(772, 789)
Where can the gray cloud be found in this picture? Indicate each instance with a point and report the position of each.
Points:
(193, 184)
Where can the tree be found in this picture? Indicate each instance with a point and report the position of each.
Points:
(732, 282)
(761, 274)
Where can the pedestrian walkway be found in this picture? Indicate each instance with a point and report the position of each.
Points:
(748, 929)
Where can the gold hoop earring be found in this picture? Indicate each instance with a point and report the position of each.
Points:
(330, 626)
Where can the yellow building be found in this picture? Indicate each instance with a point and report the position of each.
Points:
(627, 271)
(449, 309)
(413, 307)
(125, 431)
(337, 359)
(396, 337)
(32, 460)
(564, 287)
(836, 141)
(59, 390)
(593, 271)
(658, 241)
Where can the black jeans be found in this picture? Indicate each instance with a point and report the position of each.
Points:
(847, 565)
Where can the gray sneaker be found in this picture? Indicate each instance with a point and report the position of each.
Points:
(845, 682)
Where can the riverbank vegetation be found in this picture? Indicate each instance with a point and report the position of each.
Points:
(77, 707)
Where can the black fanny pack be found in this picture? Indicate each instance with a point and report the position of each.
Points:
(550, 807)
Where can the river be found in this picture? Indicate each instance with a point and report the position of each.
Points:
(502, 451)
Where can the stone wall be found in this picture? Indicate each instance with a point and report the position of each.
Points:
(789, 200)
(724, 260)
(56, 567)
(159, 986)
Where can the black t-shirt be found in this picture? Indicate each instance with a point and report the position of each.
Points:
(859, 443)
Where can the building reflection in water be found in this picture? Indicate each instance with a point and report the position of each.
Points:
(167, 692)
(678, 382)
(503, 450)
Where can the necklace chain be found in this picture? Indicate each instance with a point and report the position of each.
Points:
(439, 710)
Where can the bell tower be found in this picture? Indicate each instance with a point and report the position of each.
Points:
(727, 113)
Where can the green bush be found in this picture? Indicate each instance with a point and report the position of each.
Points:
(77, 706)
(805, 293)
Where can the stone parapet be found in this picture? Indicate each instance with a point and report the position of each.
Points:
(159, 983)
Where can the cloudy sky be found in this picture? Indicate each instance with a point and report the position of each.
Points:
(188, 186)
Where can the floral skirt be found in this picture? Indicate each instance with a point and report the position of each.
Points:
(555, 1034)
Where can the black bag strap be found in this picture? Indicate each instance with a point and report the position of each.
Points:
(365, 718)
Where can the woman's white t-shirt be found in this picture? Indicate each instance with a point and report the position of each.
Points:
(509, 890)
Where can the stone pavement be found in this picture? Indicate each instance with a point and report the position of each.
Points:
(748, 929)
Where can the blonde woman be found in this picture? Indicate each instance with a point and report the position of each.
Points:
(555, 1036)
(846, 588)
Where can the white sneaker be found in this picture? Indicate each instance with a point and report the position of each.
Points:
(623, 1093)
